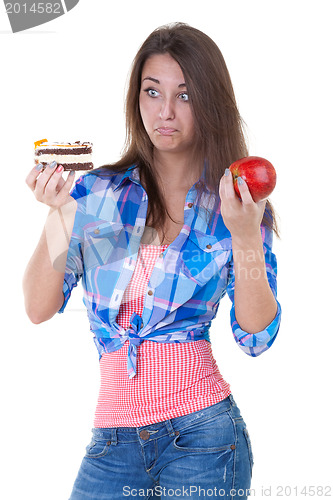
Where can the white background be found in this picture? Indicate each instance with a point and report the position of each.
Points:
(65, 80)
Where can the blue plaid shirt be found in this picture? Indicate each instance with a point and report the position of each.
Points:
(187, 283)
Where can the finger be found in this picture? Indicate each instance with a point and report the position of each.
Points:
(262, 205)
(60, 184)
(55, 185)
(43, 179)
(244, 191)
(32, 176)
(222, 194)
(65, 189)
(227, 191)
(229, 185)
(221, 187)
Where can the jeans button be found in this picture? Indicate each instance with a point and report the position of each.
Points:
(144, 435)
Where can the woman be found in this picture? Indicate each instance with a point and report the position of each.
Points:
(159, 238)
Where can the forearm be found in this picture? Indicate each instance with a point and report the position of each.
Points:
(44, 275)
(255, 304)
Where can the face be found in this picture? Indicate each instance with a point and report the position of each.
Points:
(164, 105)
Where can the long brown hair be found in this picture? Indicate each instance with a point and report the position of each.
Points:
(219, 137)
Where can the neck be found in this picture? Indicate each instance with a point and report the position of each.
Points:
(176, 171)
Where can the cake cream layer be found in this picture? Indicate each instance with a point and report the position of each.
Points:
(64, 158)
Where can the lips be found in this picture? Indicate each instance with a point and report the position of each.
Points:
(166, 130)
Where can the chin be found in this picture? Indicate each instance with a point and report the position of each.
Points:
(163, 146)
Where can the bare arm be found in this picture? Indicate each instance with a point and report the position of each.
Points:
(255, 304)
(44, 275)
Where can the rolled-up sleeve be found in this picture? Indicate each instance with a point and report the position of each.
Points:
(74, 263)
(254, 344)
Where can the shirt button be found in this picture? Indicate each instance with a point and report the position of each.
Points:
(150, 292)
(144, 435)
(209, 246)
(190, 205)
(97, 231)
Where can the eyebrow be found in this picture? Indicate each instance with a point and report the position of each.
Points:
(158, 82)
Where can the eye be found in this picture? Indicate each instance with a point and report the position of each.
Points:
(183, 96)
(151, 92)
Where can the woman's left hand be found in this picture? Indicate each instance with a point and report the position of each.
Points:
(242, 218)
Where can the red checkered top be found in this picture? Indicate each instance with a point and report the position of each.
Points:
(172, 379)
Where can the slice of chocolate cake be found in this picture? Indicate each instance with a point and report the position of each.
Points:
(72, 156)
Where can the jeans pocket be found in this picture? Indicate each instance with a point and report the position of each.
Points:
(249, 446)
(213, 435)
(97, 448)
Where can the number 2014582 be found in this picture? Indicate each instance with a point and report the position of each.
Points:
(316, 491)
(35, 8)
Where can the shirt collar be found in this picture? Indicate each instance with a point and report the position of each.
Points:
(132, 173)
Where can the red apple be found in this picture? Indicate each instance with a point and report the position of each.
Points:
(258, 173)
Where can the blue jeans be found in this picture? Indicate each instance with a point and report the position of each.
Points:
(206, 453)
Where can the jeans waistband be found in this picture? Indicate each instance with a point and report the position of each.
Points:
(167, 427)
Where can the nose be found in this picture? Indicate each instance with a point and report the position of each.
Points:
(167, 111)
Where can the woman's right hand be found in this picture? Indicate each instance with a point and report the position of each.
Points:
(49, 187)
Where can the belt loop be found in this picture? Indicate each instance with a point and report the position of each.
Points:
(171, 431)
(114, 439)
(232, 401)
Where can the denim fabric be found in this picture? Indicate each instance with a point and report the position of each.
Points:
(206, 453)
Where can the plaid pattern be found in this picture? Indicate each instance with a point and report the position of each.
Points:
(186, 285)
(171, 379)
